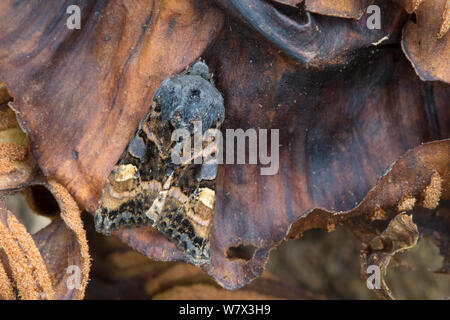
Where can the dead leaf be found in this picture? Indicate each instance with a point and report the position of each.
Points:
(346, 113)
(317, 40)
(27, 265)
(401, 234)
(426, 42)
(100, 107)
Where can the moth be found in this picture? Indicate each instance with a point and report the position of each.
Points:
(148, 187)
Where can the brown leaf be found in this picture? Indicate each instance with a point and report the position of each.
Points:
(17, 165)
(119, 273)
(400, 234)
(60, 250)
(314, 39)
(39, 264)
(39, 267)
(183, 282)
(16, 260)
(124, 49)
(336, 144)
(4, 97)
(341, 128)
(32, 253)
(326, 161)
(70, 214)
(426, 42)
(409, 5)
(6, 287)
(342, 8)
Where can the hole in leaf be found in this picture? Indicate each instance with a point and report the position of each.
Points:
(242, 252)
(42, 200)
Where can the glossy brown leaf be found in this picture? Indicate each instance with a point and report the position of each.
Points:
(315, 39)
(326, 161)
(335, 143)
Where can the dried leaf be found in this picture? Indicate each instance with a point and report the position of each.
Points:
(71, 215)
(41, 273)
(343, 8)
(20, 266)
(426, 42)
(61, 253)
(6, 287)
(340, 129)
(125, 49)
(17, 165)
(119, 273)
(27, 244)
(445, 21)
(317, 40)
(4, 97)
(409, 5)
(401, 234)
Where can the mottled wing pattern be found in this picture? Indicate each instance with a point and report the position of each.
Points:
(147, 188)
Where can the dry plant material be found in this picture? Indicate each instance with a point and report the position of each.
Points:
(71, 214)
(7, 118)
(342, 8)
(352, 120)
(184, 281)
(401, 234)
(17, 165)
(4, 97)
(445, 21)
(315, 40)
(409, 5)
(406, 204)
(6, 287)
(353, 9)
(23, 268)
(149, 41)
(432, 193)
(426, 42)
(32, 260)
(120, 273)
(30, 250)
(378, 214)
(34, 275)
